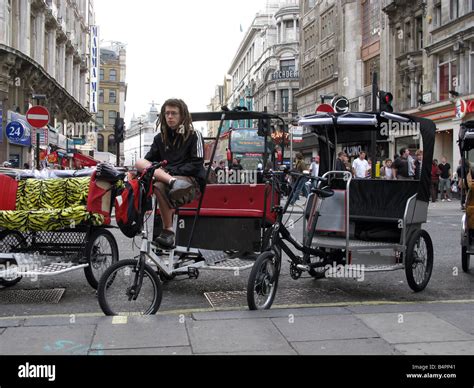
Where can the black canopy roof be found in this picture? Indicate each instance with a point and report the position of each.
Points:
(333, 129)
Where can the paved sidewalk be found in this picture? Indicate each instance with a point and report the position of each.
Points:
(361, 329)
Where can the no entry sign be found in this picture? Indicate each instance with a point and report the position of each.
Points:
(37, 116)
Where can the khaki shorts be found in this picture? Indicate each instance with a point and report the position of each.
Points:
(188, 197)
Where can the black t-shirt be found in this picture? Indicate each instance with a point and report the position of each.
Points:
(444, 170)
(340, 166)
(401, 165)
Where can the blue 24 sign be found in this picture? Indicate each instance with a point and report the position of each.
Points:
(15, 131)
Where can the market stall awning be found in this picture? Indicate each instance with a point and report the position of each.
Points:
(81, 161)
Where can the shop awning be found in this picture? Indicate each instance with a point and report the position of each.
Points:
(81, 161)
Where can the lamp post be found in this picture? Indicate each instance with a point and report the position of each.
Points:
(140, 125)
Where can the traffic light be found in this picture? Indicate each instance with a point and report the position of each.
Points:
(263, 127)
(385, 101)
(119, 128)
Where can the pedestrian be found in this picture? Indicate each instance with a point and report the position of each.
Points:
(386, 172)
(360, 166)
(341, 161)
(183, 147)
(411, 166)
(445, 180)
(236, 165)
(299, 168)
(400, 166)
(314, 168)
(418, 164)
(435, 173)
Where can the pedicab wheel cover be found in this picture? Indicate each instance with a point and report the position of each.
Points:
(9, 239)
(419, 260)
(101, 252)
(263, 282)
(466, 259)
(114, 290)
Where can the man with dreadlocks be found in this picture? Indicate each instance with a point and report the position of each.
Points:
(183, 148)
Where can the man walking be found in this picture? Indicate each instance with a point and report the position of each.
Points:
(445, 180)
(401, 169)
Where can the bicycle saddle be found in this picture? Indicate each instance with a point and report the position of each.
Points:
(325, 192)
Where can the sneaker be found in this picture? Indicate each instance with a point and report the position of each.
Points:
(443, 200)
(165, 239)
(448, 200)
(179, 188)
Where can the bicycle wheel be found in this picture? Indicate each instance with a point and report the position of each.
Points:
(115, 285)
(9, 241)
(101, 253)
(263, 282)
(419, 260)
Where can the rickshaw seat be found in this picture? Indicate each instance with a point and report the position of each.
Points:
(45, 205)
(380, 200)
(246, 201)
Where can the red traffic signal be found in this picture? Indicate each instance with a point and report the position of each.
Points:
(385, 101)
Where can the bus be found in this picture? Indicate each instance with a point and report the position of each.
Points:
(243, 144)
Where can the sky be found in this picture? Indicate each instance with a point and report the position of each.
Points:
(175, 48)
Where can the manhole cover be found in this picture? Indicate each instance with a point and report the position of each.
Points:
(289, 296)
(52, 296)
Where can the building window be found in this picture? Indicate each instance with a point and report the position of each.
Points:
(285, 100)
(419, 34)
(447, 76)
(327, 24)
(287, 65)
(100, 142)
(354, 105)
(437, 15)
(113, 75)
(471, 66)
(101, 96)
(112, 97)
(370, 22)
(100, 117)
(327, 66)
(371, 66)
(111, 143)
(102, 74)
(112, 117)
(454, 9)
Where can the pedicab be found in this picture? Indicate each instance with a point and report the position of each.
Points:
(353, 226)
(222, 230)
(55, 223)
(466, 144)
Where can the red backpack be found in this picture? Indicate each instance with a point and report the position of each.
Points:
(130, 206)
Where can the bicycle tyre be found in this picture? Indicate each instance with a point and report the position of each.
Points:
(91, 255)
(105, 293)
(263, 280)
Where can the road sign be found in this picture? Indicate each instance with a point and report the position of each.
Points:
(325, 108)
(15, 131)
(38, 116)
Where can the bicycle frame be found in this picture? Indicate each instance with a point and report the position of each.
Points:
(280, 234)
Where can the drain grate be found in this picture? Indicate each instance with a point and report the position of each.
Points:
(52, 296)
(290, 296)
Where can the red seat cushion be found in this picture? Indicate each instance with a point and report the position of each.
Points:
(8, 188)
(234, 201)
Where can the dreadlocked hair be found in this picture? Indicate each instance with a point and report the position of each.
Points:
(186, 126)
